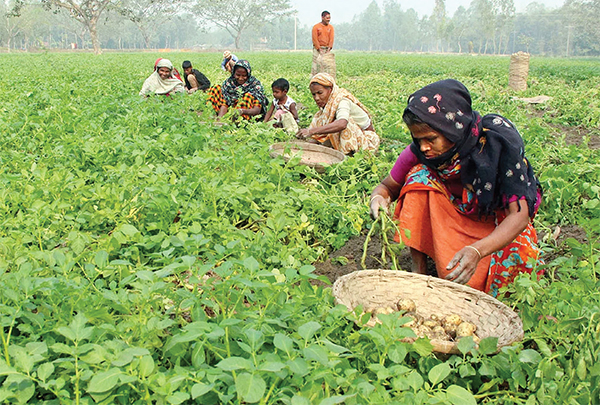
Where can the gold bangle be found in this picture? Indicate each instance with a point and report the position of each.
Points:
(475, 249)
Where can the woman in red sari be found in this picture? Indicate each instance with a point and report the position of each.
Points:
(466, 193)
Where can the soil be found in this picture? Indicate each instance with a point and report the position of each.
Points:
(573, 135)
(347, 258)
(558, 237)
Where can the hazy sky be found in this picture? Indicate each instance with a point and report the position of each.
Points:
(309, 11)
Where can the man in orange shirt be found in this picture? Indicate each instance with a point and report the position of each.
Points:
(322, 38)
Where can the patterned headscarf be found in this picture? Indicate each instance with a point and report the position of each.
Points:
(489, 149)
(232, 90)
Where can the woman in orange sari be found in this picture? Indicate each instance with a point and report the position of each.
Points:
(342, 122)
(466, 193)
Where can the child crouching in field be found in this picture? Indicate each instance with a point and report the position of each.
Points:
(283, 109)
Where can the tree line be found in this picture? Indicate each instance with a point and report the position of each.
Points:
(485, 27)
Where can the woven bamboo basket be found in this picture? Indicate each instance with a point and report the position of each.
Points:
(384, 288)
(312, 155)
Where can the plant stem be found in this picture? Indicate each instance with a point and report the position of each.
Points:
(384, 240)
(366, 244)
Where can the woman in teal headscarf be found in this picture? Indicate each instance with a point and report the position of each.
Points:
(241, 91)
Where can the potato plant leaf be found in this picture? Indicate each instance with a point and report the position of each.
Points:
(459, 396)
(104, 381)
(250, 387)
(235, 363)
(438, 373)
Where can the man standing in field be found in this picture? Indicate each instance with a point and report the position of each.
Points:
(322, 38)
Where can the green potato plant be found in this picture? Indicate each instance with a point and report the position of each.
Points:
(149, 256)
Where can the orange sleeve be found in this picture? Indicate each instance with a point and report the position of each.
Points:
(315, 37)
(331, 33)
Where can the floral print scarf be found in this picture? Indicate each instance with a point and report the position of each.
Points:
(232, 91)
(491, 151)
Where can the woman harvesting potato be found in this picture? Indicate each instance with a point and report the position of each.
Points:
(241, 91)
(342, 122)
(466, 193)
(164, 80)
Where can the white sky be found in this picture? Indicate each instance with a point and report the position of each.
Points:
(309, 11)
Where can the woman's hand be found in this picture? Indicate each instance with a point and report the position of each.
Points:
(383, 195)
(379, 202)
(464, 264)
(303, 133)
(465, 261)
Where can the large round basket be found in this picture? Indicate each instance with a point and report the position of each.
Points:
(311, 155)
(384, 288)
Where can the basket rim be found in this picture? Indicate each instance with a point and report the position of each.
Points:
(514, 324)
(310, 147)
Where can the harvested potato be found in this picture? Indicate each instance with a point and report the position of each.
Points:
(439, 333)
(422, 331)
(407, 305)
(383, 310)
(430, 323)
(465, 329)
(450, 323)
(436, 318)
(416, 320)
(448, 328)
(451, 319)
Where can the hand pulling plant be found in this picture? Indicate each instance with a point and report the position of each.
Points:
(383, 224)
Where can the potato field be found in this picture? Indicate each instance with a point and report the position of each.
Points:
(148, 256)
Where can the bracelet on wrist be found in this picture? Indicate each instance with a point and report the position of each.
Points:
(374, 196)
(476, 250)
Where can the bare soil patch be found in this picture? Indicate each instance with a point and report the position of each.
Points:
(567, 231)
(347, 259)
(573, 135)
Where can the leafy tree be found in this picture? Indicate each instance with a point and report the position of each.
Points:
(371, 24)
(280, 33)
(410, 29)
(457, 26)
(504, 11)
(392, 24)
(237, 16)
(148, 15)
(9, 23)
(87, 12)
(540, 30)
(584, 17)
(482, 17)
(438, 20)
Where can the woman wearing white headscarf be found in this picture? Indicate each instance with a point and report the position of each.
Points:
(342, 122)
(162, 80)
